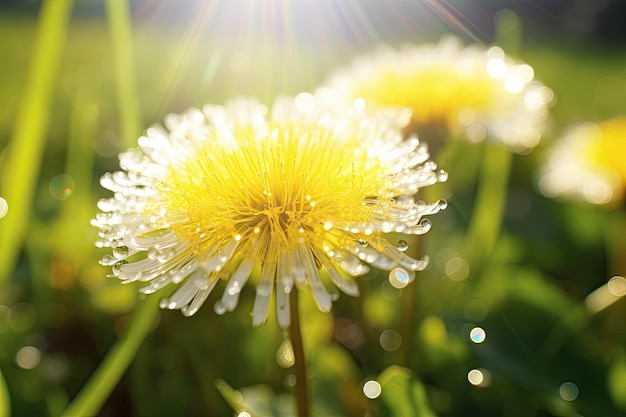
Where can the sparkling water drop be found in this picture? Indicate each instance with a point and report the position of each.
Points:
(442, 176)
(362, 242)
(120, 252)
(402, 245)
(117, 267)
(219, 308)
(443, 204)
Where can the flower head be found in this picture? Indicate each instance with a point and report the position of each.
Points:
(286, 199)
(588, 162)
(468, 89)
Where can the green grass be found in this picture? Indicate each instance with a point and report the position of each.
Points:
(57, 299)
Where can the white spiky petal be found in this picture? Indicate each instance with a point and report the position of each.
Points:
(302, 195)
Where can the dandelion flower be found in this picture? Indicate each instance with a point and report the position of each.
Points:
(472, 90)
(298, 197)
(589, 163)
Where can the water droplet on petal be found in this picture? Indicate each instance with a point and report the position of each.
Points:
(442, 176)
(362, 242)
(219, 308)
(120, 252)
(402, 245)
(443, 204)
(117, 267)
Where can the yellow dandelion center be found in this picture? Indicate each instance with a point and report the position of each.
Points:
(609, 150)
(281, 184)
(436, 94)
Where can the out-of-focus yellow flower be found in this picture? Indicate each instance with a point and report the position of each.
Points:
(476, 91)
(298, 195)
(588, 162)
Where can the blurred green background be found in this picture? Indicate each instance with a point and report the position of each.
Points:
(74, 93)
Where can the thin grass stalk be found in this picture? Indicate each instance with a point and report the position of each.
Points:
(125, 75)
(486, 220)
(19, 174)
(90, 399)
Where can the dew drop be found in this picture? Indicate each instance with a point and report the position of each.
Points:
(219, 308)
(117, 267)
(402, 245)
(442, 176)
(362, 242)
(284, 355)
(120, 252)
(443, 204)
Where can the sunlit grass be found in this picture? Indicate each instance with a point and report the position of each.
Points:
(530, 299)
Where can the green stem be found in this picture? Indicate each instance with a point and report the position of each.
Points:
(5, 404)
(490, 203)
(302, 392)
(125, 81)
(18, 176)
(93, 395)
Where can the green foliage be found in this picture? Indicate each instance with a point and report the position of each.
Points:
(403, 394)
(525, 284)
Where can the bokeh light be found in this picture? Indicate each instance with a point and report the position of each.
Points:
(22, 317)
(617, 286)
(478, 335)
(479, 377)
(62, 187)
(372, 389)
(568, 391)
(457, 269)
(28, 357)
(400, 277)
(4, 207)
(390, 340)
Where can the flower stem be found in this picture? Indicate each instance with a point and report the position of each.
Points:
(90, 399)
(484, 227)
(302, 392)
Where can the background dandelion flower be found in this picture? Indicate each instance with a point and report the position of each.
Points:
(588, 163)
(452, 88)
(297, 192)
